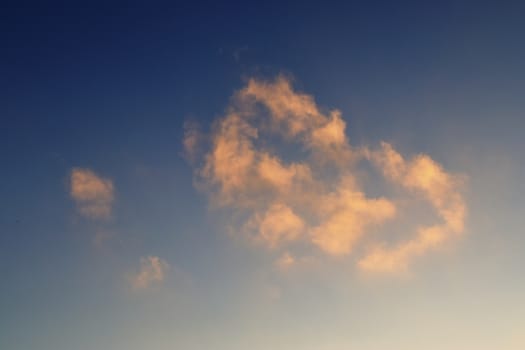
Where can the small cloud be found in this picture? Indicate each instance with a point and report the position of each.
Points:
(102, 238)
(285, 261)
(92, 194)
(152, 272)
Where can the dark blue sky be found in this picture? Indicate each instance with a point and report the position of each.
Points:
(68, 67)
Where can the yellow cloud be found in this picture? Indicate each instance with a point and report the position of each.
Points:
(152, 272)
(93, 194)
(318, 199)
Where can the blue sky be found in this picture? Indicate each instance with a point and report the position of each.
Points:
(124, 226)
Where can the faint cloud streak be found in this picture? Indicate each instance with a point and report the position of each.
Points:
(152, 272)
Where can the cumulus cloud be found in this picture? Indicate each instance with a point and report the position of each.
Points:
(92, 193)
(286, 174)
(152, 272)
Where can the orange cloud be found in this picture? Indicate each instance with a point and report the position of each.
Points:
(345, 215)
(396, 259)
(93, 194)
(425, 177)
(279, 224)
(152, 272)
(291, 112)
(231, 161)
(317, 199)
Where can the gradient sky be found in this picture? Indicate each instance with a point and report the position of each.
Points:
(381, 208)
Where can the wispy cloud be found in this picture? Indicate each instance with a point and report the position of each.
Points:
(152, 272)
(102, 238)
(192, 140)
(285, 261)
(317, 198)
(92, 193)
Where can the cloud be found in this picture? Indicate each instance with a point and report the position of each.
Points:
(284, 172)
(426, 178)
(192, 140)
(152, 272)
(345, 214)
(277, 225)
(93, 194)
(285, 261)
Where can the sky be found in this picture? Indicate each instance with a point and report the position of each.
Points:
(278, 175)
